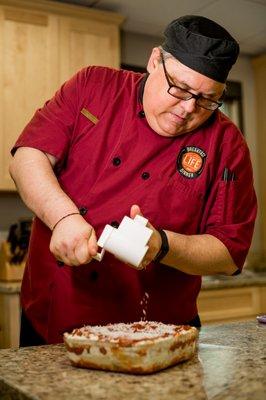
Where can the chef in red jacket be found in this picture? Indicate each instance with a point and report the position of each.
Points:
(112, 143)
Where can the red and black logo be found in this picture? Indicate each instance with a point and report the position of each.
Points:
(190, 161)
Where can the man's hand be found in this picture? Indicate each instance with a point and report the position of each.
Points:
(74, 241)
(155, 241)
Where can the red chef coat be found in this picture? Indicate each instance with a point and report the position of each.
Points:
(107, 166)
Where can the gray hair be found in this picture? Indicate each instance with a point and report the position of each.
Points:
(166, 54)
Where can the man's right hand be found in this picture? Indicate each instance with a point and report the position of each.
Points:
(74, 241)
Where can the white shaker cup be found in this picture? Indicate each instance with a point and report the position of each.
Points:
(128, 242)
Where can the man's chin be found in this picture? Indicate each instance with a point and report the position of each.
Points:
(170, 135)
(173, 132)
(168, 129)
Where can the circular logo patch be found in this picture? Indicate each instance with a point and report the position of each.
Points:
(190, 161)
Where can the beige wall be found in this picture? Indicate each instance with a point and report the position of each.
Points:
(242, 72)
(136, 48)
(259, 68)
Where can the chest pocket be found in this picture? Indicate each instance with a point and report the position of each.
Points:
(229, 207)
(178, 202)
(189, 187)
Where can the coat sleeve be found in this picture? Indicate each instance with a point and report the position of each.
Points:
(231, 206)
(51, 127)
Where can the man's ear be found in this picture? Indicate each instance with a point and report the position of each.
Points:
(154, 59)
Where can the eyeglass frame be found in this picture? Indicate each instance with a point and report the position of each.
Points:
(192, 95)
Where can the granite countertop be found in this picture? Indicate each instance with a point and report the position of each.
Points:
(246, 278)
(230, 364)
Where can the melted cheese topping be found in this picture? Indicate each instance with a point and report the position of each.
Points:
(137, 331)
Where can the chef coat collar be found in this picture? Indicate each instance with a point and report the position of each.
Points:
(141, 87)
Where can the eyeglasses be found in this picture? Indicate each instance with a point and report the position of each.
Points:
(184, 94)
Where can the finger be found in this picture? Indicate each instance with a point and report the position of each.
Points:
(68, 255)
(66, 260)
(92, 244)
(73, 262)
(139, 267)
(135, 210)
(64, 254)
(82, 252)
(146, 263)
(62, 259)
(142, 265)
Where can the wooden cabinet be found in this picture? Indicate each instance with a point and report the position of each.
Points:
(234, 304)
(9, 314)
(41, 45)
(83, 44)
(28, 74)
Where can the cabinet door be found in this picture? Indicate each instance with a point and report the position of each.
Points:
(87, 42)
(28, 74)
(9, 320)
(233, 304)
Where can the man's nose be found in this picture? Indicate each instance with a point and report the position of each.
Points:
(189, 105)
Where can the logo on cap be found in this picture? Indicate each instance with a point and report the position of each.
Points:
(190, 161)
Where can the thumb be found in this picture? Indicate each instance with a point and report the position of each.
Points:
(92, 243)
(135, 210)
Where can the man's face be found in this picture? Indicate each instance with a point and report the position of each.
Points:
(167, 115)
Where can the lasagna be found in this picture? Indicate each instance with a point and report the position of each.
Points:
(139, 348)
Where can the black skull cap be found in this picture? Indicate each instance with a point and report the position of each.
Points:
(202, 45)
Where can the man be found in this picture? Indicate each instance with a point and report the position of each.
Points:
(112, 143)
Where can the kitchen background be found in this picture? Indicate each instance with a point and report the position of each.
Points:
(30, 73)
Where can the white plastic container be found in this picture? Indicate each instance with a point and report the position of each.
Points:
(128, 242)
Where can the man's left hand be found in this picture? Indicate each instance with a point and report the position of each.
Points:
(154, 243)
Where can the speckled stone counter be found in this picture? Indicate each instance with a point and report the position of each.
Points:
(230, 364)
(246, 278)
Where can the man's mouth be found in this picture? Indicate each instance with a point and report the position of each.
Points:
(177, 118)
